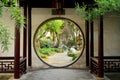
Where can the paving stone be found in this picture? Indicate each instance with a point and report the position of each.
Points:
(58, 74)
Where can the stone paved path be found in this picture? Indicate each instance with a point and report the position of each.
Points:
(59, 59)
(58, 74)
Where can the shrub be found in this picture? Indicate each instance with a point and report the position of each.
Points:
(73, 55)
(49, 51)
(43, 56)
(46, 44)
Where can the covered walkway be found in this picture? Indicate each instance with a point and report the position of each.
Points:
(58, 74)
(97, 63)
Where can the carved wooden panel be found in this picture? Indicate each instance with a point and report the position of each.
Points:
(6, 66)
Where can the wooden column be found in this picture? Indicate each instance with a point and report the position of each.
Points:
(25, 31)
(87, 42)
(17, 54)
(100, 49)
(29, 37)
(91, 42)
(91, 39)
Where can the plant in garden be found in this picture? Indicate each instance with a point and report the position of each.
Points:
(49, 51)
(73, 55)
(15, 12)
(52, 27)
(5, 36)
(46, 44)
(100, 7)
(16, 15)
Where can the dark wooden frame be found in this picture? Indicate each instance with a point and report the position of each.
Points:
(100, 49)
(29, 36)
(6, 64)
(111, 64)
(87, 42)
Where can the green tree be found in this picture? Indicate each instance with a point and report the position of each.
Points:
(54, 27)
(101, 7)
(15, 12)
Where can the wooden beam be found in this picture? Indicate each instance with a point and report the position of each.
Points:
(91, 39)
(100, 49)
(17, 54)
(25, 31)
(25, 34)
(87, 42)
(91, 42)
(29, 37)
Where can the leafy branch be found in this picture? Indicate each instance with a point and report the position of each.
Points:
(16, 15)
(5, 36)
(101, 7)
(15, 11)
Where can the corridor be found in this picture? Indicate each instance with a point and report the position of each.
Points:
(58, 74)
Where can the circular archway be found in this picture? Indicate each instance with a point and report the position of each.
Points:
(59, 42)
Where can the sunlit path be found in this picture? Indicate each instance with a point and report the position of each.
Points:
(59, 59)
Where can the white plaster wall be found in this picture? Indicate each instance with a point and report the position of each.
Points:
(42, 14)
(111, 36)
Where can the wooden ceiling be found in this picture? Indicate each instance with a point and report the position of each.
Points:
(50, 3)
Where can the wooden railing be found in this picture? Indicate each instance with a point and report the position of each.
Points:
(23, 66)
(111, 64)
(6, 64)
(94, 65)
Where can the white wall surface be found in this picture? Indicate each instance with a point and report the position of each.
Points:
(39, 15)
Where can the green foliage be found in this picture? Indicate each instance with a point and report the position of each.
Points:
(16, 15)
(49, 51)
(58, 25)
(14, 10)
(73, 55)
(1, 8)
(46, 44)
(104, 7)
(81, 10)
(5, 36)
(46, 51)
(53, 26)
(71, 42)
(64, 48)
(43, 56)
